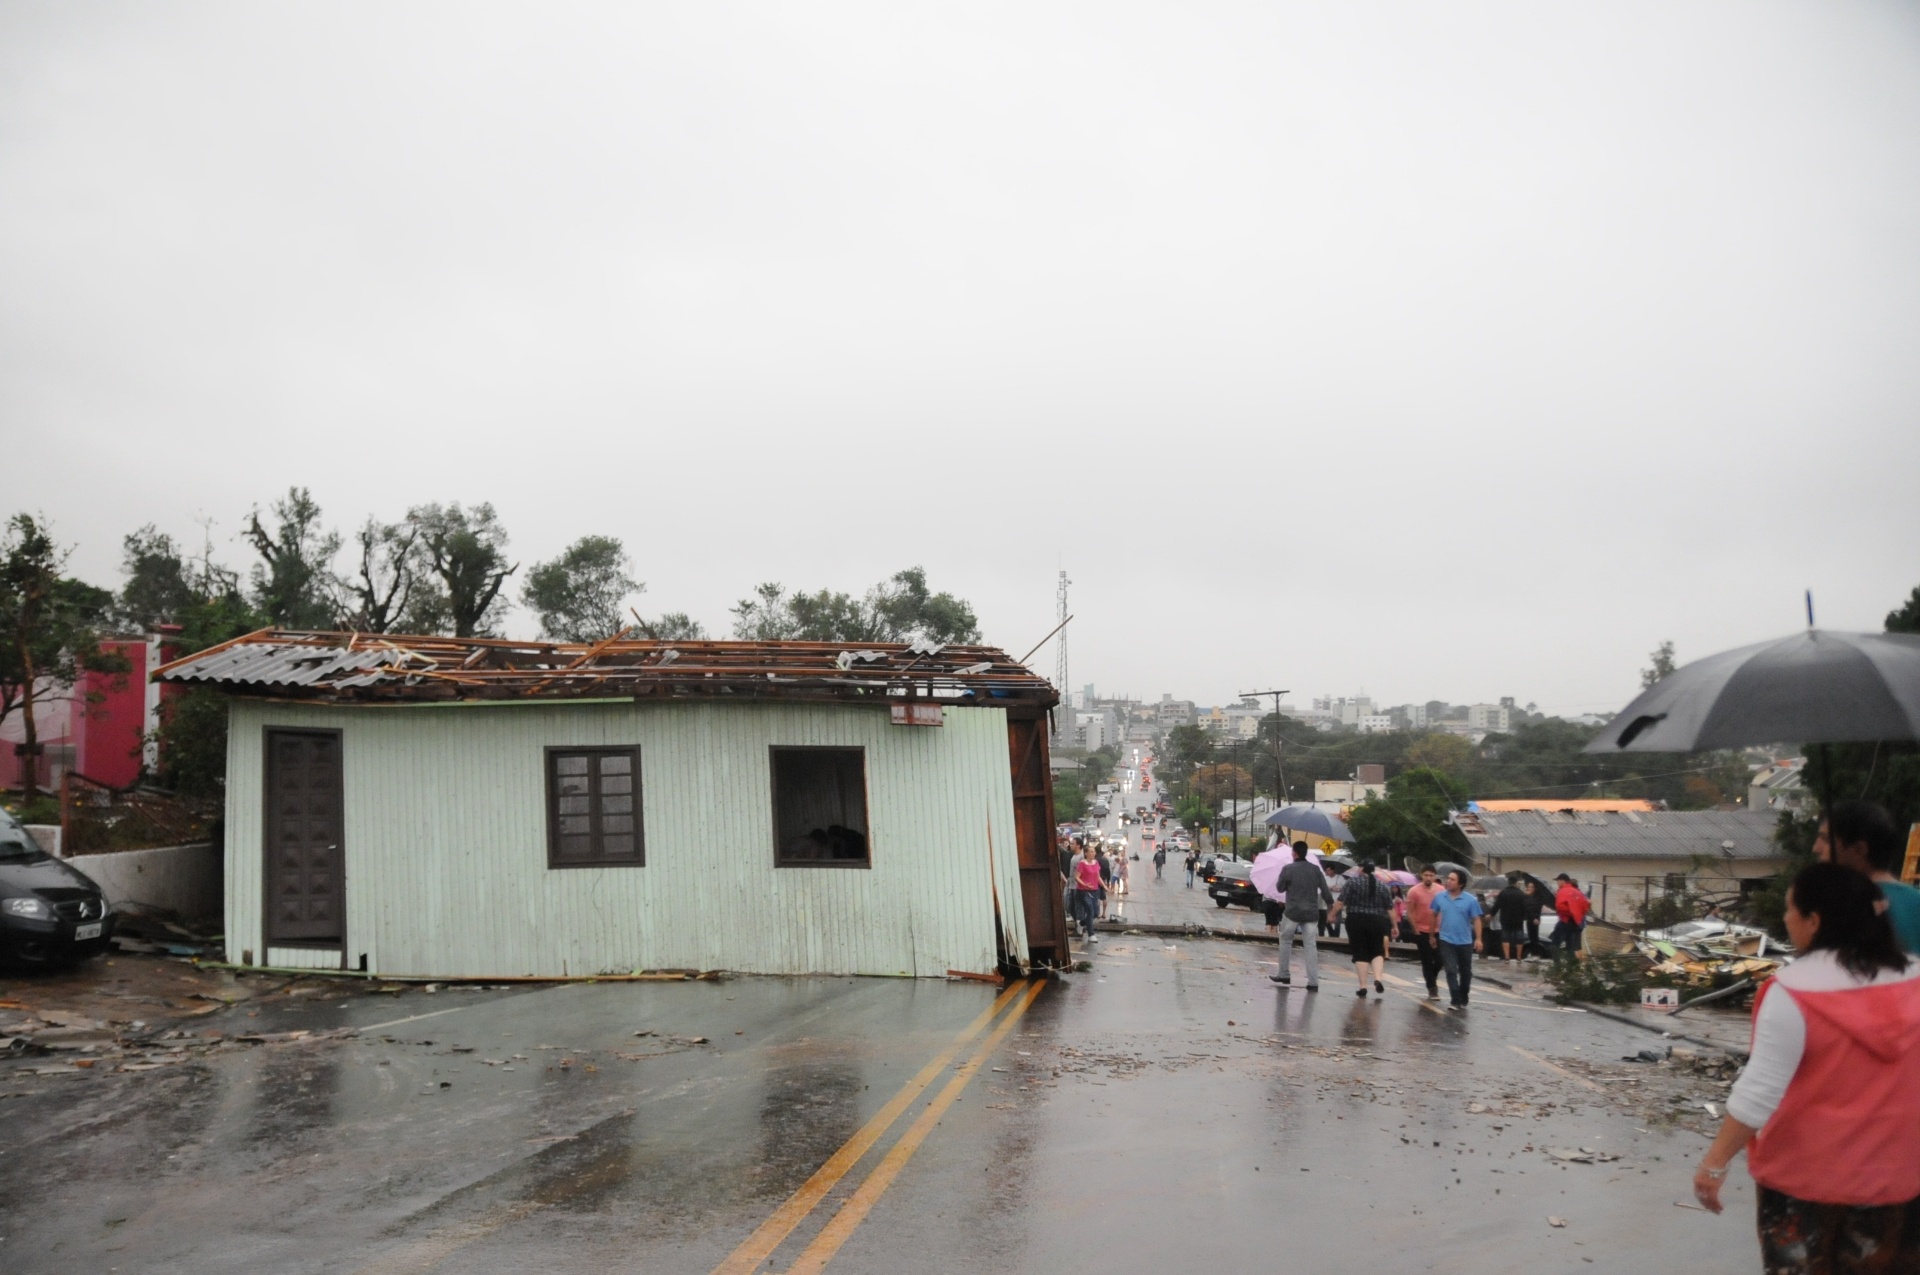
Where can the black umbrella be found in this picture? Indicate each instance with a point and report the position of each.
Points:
(1813, 687)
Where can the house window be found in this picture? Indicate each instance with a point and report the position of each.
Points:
(820, 808)
(1676, 883)
(593, 808)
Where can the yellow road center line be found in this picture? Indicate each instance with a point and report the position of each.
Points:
(759, 1246)
(1578, 1080)
(843, 1224)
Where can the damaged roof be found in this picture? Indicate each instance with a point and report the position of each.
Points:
(389, 668)
(1661, 834)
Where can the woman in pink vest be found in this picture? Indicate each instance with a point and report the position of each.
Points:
(1830, 1099)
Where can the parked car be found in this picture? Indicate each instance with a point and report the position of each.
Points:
(1228, 883)
(50, 913)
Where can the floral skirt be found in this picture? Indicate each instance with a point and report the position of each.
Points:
(1798, 1237)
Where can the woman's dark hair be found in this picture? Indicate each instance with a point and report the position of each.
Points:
(1852, 822)
(1851, 926)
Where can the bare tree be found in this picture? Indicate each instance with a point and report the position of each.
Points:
(388, 575)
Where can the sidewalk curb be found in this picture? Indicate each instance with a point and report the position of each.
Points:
(1395, 951)
(1618, 1017)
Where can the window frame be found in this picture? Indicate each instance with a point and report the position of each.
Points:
(773, 798)
(551, 754)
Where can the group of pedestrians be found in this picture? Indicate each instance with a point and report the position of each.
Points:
(1445, 923)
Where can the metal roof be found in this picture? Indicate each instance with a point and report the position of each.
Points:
(1657, 834)
(389, 668)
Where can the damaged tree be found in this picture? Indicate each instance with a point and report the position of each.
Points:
(50, 624)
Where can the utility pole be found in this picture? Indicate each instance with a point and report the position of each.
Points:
(1280, 794)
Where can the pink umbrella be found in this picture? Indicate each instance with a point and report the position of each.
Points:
(1401, 878)
(1265, 873)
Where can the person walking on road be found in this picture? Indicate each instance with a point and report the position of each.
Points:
(1570, 908)
(1426, 928)
(1367, 902)
(1510, 909)
(1304, 887)
(1826, 1106)
(1860, 835)
(1460, 935)
(1193, 862)
(1106, 883)
(1160, 864)
(1086, 892)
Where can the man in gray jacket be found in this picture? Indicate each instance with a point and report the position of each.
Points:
(1304, 887)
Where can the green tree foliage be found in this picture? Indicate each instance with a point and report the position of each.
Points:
(1073, 790)
(1193, 812)
(293, 584)
(1906, 619)
(1662, 657)
(899, 609)
(1414, 817)
(157, 590)
(579, 594)
(466, 555)
(675, 626)
(1221, 783)
(193, 743)
(50, 627)
(203, 600)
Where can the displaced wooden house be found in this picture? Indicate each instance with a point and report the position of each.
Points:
(488, 808)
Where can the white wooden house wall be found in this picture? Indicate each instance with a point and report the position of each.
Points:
(446, 842)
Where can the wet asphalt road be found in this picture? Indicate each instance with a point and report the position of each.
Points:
(1167, 1108)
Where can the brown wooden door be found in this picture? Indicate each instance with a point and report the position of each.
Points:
(1040, 884)
(306, 858)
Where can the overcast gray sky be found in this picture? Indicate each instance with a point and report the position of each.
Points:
(1449, 351)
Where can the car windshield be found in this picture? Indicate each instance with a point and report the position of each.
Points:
(15, 844)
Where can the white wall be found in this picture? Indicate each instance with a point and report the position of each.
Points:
(184, 880)
(447, 855)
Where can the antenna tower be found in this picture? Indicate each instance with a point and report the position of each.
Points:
(1060, 661)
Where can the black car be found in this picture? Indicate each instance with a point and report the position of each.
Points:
(1228, 883)
(49, 913)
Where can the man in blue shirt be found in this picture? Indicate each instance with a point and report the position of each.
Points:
(1460, 925)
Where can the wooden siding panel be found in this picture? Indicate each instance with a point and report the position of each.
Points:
(446, 842)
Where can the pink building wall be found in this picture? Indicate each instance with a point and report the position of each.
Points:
(103, 739)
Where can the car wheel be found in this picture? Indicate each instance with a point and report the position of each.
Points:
(1221, 902)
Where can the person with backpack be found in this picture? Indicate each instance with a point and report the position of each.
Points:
(1570, 908)
(1367, 902)
(1160, 863)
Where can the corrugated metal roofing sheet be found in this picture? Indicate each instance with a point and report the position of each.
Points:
(1660, 834)
(384, 667)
